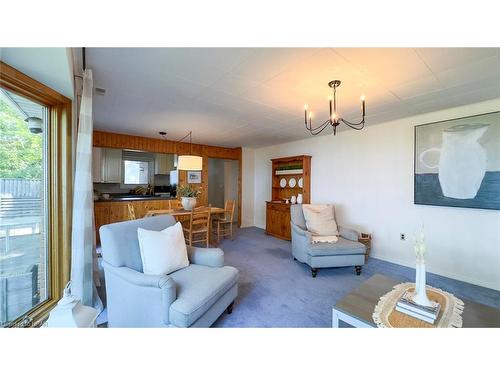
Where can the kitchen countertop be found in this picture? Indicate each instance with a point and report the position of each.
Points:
(137, 198)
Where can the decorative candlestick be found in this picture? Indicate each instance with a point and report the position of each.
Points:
(420, 294)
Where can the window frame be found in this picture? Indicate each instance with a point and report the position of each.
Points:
(59, 181)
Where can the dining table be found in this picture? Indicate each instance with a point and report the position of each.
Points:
(178, 213)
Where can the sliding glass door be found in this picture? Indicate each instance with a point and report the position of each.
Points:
(23, 206)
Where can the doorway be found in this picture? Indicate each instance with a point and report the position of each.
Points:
(223, 183)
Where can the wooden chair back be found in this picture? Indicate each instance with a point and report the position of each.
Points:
(198, 229)
(229, 210)
(131, 212)
(174, 204)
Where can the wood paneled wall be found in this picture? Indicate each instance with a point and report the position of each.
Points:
(133, 142)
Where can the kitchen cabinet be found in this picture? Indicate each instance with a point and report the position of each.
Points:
(164, 163)
(97, 175)
(106, 165)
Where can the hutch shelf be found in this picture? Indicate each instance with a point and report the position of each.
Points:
(291, 176)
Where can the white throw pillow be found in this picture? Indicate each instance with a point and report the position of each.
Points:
(162, 252)
(320, 219)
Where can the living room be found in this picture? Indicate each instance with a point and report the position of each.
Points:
(251, 185)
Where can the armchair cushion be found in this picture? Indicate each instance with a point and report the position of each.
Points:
(162, 252)
(342, 247)
(320, 219)
(198, 288)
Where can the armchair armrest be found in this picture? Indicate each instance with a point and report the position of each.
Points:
(301, 232)
(140, 279)
(348, 234)
(128, 291)
(210, 257)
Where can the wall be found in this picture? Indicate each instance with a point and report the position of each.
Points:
(369, 176)
(248, 187)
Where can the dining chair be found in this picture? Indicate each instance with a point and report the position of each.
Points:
(224, 226)
(151, 213)
(131, 212)
(198, 228)
(174, 204)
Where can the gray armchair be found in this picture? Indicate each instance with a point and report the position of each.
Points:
(346, 252)
(194, 296)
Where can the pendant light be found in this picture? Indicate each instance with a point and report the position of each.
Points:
(188, 162)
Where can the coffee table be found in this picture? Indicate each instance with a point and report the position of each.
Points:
(357, 307)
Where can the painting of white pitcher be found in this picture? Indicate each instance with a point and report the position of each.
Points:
(457, 162)
(462, 161)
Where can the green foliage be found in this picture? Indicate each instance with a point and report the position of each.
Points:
(21, 151)
(188, 191)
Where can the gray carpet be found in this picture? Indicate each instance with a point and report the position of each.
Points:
(276, 291)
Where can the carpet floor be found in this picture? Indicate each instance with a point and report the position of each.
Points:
(276, 291)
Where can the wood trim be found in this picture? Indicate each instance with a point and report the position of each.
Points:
(59, 175)
(19, 83)
(133, 142)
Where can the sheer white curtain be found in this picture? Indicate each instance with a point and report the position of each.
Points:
(83, 237)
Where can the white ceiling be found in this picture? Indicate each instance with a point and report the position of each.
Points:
(255, 96)
(51, 66)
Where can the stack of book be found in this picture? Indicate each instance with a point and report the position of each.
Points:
(426, 313)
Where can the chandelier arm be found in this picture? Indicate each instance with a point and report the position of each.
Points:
(323, 127)
(351, 124)
(311, 129)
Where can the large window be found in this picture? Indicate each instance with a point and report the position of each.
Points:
(35, 197)
(23, 204)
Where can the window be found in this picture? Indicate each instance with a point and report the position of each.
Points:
(35, 197)
(136, 172)
(23, 238)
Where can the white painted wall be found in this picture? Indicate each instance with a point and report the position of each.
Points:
(248, 187)
(369, 176)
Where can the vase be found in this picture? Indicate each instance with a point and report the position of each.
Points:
(293, 200)
(188, 203)
(299, 199)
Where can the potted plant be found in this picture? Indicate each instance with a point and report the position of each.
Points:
(188, 194)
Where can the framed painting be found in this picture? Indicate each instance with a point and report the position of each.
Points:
(457, 162)
(194, 177)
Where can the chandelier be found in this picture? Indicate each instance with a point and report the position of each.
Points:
(334, 119)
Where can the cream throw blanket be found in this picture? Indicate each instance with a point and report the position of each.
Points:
(327, 239)
(320, 221)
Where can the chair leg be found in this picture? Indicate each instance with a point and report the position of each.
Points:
(314, 272)
(358, 270)
(230, 308)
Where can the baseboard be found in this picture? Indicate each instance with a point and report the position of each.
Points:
(439, 272)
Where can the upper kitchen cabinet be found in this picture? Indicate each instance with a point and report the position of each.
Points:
(164, 163)
(106, 165)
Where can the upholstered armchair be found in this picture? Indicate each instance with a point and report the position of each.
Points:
(194, 296)
(346, 252)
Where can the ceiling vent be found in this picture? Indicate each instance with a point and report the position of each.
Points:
(100, 91)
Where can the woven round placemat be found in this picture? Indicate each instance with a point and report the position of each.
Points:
(450, 315)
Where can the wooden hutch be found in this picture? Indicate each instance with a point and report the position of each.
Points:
(290, 176)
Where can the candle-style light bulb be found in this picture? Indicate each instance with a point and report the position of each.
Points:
(305, 113)
(363, 104)
(310, 118)
(330, 101)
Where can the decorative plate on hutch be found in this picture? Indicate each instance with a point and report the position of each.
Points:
(283, 182)
(292, 182)
(301, 182)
